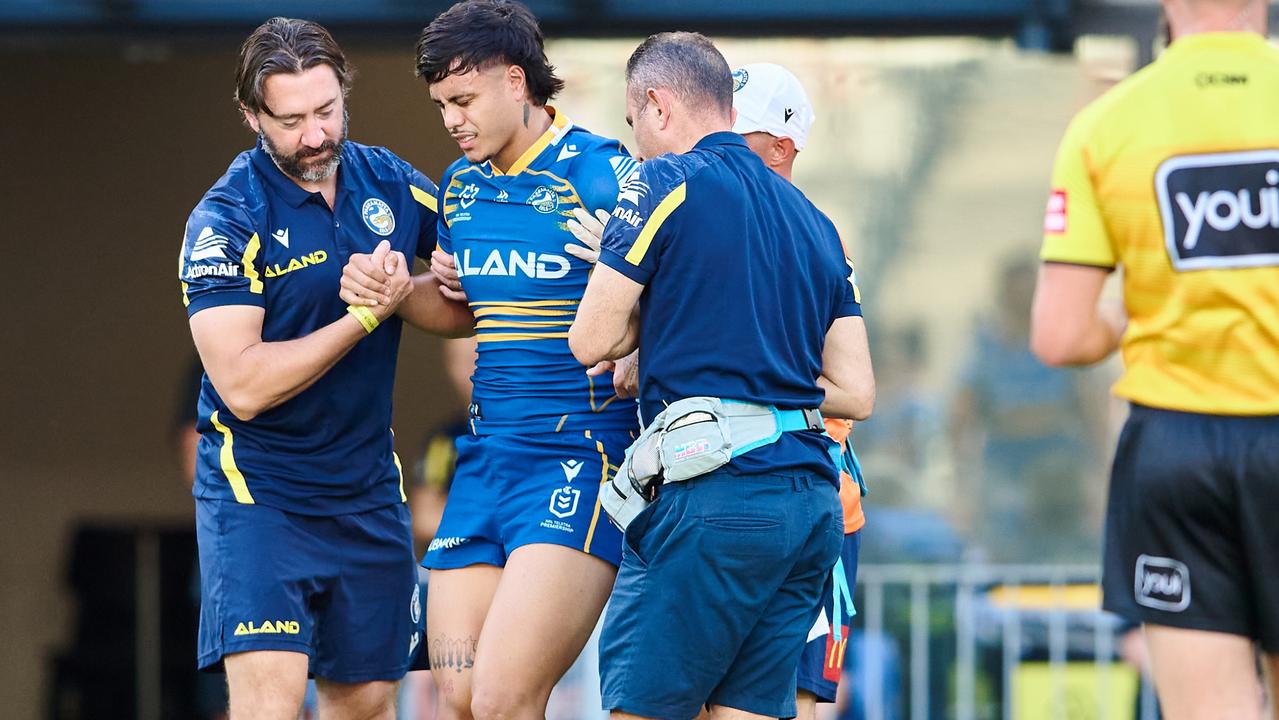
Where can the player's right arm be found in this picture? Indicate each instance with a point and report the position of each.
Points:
(226, 307)
(1069, 326)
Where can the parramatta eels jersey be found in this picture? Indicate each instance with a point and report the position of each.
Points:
(1174, 174)
(506, 231)
(257, 238)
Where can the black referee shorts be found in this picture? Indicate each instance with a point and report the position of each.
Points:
(1192, 526)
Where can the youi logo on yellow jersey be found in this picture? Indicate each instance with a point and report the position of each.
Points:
(1220, 210)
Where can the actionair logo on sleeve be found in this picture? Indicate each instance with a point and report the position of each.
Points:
(209, 245)
(1220, 210)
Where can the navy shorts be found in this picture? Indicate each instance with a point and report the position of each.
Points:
(822, 662)
(720, 581)
(1190, 528)
(341, 589)
(515, 490)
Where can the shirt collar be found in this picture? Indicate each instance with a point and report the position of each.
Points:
(281, 184)
(724, 137)
(560, 124)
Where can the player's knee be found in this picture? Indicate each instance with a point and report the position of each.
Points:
(504, 701)
(454, 703)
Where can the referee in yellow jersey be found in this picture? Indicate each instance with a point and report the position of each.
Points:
(1174, 175)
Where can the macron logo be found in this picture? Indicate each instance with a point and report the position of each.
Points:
(281, 236)
(567, 152)
(571, 469)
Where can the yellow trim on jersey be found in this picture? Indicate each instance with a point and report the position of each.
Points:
(186, 302)
(590, 384)
(227, 458)
(599, 496)
(510, 337)
(482, 324)
(250, 272)
(528, 312)
(400, 469)
(667, 206)
(425, 199)
(438, 461)
(559, 124)
(524, 303)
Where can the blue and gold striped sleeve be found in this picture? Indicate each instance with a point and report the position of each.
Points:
(645, 218)
(221, 260)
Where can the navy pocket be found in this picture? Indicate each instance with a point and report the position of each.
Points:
(742, 523)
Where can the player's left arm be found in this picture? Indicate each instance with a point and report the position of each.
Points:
(1069, 325)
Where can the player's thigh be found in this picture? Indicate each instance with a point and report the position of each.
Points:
(1202, 675)
(266, 684)
(356, 701)
(546, 606)
(456, 607)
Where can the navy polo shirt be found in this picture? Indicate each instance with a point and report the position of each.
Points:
(742, 278)
(257, 238)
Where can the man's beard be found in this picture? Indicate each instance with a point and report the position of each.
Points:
(291, 165)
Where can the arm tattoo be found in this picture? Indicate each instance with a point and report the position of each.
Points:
(454, 653)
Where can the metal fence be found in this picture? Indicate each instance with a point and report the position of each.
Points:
(982, 642)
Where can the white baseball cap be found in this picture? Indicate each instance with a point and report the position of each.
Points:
(768, 98)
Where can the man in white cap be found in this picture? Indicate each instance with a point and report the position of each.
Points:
(774, 117)
(773, 114)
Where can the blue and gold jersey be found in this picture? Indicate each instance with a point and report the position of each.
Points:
(743, 277)
(506, 232)
(257, 238)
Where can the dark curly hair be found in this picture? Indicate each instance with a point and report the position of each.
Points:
(477, 34)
